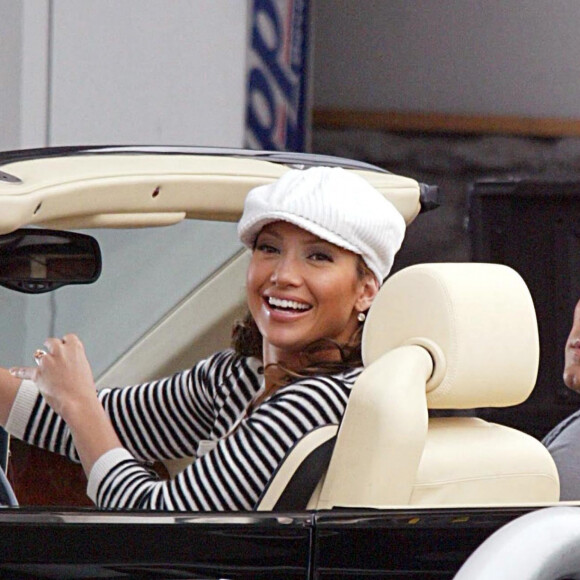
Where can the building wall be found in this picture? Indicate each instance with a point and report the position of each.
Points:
(10, 72)
(148, 71)
(455, 56)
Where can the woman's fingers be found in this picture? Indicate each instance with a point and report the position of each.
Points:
(62, 375)
(56, 345)
(52, 347)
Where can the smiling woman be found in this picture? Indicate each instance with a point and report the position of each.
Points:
(322, 240)
(315, 271)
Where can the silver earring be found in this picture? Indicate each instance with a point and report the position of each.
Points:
(361, 317)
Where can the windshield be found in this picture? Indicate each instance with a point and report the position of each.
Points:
(145, 274)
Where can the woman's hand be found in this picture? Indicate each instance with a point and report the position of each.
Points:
(63, 375)
(64, 378)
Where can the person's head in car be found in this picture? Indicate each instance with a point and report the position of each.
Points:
(572, 353)
(322, 240)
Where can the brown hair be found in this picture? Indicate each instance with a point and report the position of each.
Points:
(247, 341)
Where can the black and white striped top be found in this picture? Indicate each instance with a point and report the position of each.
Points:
(170, 418)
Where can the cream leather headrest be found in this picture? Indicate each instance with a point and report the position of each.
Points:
(477, 321)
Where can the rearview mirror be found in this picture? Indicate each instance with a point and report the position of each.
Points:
(38, 260)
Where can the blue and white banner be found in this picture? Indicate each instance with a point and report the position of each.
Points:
(277, 98)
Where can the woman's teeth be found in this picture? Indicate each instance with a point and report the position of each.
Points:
(287, 304)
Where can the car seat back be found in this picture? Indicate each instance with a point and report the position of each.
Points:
(442, 336)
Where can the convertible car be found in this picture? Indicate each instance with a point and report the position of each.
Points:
(135, 250)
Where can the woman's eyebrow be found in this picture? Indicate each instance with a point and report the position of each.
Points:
(271, 233)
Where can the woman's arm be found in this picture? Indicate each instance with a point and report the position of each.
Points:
(161, 419)
(231, 476)
(235, 473)
(65, 380)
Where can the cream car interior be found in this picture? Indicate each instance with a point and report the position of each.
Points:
(129, 190)
(439, 336)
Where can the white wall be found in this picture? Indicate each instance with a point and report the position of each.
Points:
(150, 71)
(138, 71)
(10, 42)
(452, 56)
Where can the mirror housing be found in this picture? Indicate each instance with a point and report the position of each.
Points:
(34, 260)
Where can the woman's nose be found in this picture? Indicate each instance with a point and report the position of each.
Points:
(286, 272)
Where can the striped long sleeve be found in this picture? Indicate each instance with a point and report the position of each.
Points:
(169, 418)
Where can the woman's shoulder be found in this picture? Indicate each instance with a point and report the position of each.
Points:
(347, 377)
(314, 400)
(351, 375)
(340, 381)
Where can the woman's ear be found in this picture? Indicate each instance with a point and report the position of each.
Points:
(369, 289)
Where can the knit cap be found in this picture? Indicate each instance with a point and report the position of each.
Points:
(334, 204)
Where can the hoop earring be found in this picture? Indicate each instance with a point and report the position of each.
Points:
(361, 317)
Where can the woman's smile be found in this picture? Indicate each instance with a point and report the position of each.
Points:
(286, 304)
(285, 308)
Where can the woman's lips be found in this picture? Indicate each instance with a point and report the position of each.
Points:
(287, 303)
(285, 308)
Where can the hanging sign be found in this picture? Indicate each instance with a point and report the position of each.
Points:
(276, 113)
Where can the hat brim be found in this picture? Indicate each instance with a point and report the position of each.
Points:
(249, 234)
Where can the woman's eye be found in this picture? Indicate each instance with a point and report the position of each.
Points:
(266, 248)
(321, 257)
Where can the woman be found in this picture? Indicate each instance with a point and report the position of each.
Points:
(322, 241)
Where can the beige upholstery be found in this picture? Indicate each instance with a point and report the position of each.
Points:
(467, 460)
(442, 336)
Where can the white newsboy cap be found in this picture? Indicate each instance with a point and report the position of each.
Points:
(334, 204)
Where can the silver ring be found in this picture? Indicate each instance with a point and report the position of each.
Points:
(38, 354)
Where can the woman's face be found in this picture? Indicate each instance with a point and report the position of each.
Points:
(301, 289)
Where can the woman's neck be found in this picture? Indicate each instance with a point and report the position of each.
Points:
(277, 364)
